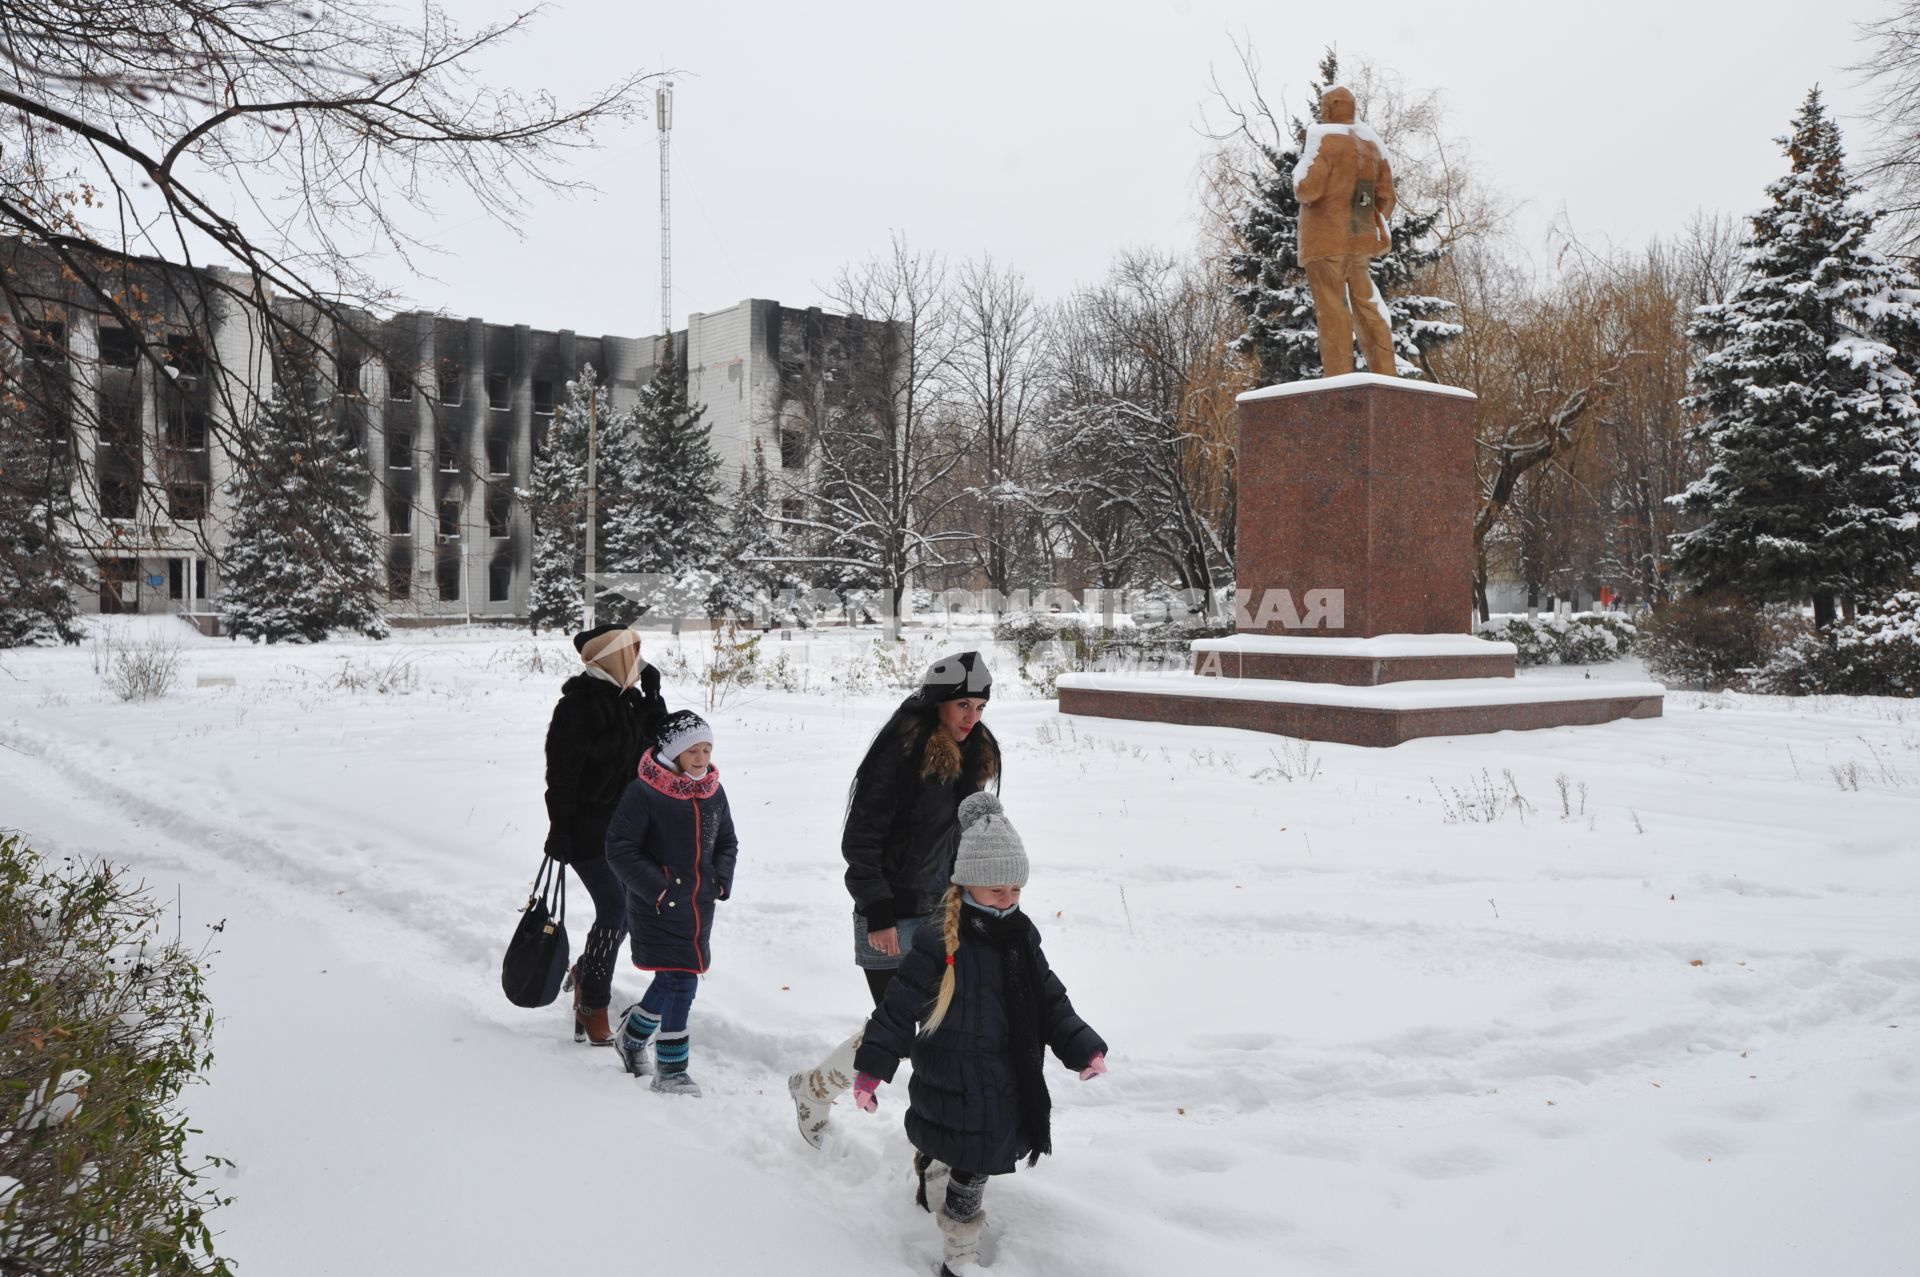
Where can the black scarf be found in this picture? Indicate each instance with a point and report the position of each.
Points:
(1017, 942)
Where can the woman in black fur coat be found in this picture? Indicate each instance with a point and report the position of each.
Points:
(607, 717)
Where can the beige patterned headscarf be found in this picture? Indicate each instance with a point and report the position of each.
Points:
(615, 654)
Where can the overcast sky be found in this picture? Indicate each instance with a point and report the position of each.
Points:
(1054, 134)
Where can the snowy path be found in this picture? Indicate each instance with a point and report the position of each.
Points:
(1350, 1035)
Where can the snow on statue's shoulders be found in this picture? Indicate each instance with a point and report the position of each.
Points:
(1317, 133)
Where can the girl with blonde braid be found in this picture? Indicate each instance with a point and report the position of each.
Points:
(973, 1005)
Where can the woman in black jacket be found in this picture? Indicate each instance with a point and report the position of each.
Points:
(600, 727)
(901, 832)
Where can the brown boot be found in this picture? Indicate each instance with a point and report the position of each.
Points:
(589, 1026)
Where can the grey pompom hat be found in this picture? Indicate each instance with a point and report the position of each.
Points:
(991, 853)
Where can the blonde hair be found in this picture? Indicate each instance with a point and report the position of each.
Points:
(951, 933)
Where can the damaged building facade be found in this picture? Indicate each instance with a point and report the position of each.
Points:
(449, 413)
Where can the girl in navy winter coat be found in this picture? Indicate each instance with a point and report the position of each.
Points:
(973, 1004)
(673, 846)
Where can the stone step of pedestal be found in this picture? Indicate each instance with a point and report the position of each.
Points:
(1377, 716)
(1354, 662)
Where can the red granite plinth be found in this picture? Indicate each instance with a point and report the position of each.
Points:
(1349, 671)
(1350, 725)
(1361, 484)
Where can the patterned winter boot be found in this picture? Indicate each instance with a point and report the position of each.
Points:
(671, 1052)
(962, 1236)
(815, 1090)
(637, 1028)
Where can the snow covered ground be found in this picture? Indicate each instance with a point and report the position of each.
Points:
(1633, 999)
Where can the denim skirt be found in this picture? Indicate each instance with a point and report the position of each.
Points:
(868, 958)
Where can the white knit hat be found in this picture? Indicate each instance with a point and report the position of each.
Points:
(680, 732)
(991, 853)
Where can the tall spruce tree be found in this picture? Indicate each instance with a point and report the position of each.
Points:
(669, 520)
(303, 558)
(557, 499)
(1809, 423)
(751, 567)
(1273, 291)
(39, 572)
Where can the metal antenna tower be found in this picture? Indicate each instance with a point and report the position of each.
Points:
(663, 112)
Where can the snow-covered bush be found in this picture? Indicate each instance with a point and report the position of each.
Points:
(1586, 638)
(102, 1024)
(145, 672)
(1877, 654)
(1715, 640)
(1051, 644)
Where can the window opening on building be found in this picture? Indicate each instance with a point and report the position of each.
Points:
(499, 513)
(399, 449)
(186, 502)
(793, 449)
(176, 578)
(399, 517)
(497, 391)
(119, 348)
(449, 574)
(400, 573)
(400, 384)
(499, 582)
(450, 519)
(450, 379)
(793, 508)
(543, 398)
(347, 374)
(498, 456)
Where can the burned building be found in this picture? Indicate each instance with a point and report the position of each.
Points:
(144, 396)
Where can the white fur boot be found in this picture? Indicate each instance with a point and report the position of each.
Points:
(815, 1090)
(963, 1244)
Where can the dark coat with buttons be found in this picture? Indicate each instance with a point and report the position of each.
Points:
(964, 1098)
(594, 743)
(672, 846)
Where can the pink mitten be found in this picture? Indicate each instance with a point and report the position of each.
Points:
(1095, 1067)
(864, 1085)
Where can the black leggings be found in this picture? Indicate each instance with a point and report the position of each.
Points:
(594, 971)
(877, 982)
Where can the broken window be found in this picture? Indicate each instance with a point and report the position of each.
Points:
(347, 374)
(450, 376)
(399, 517)
(400, 572)
(450, 519)
(498, 461)
(119, 348)
(499, 512)
(499, 582)
(497, 390)
(793, 449)
(543, 398)
(399, 449)
(448, 571)
(186, 502)
(399, 384)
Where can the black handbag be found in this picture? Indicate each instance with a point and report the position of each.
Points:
(536, 960)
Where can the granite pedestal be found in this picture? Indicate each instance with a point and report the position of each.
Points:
(1356, 496)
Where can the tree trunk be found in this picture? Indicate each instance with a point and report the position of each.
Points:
(1823, 612)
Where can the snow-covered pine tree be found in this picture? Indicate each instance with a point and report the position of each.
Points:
(1809, 423)
(39, 573)
(303, 558)
(750, 567)
(668, 520)
(557, 499)
(1273, 291)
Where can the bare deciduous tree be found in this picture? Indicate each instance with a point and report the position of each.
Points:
(170, 168)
